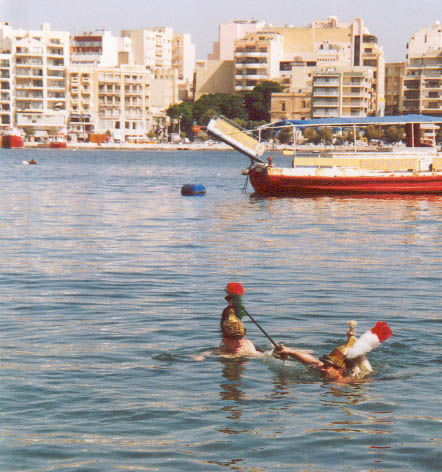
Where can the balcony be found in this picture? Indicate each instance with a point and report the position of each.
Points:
(252, 77)
(28, 73)
(29, 106)
(325, 103)
(252, 65)
(29, 95)
(29, 62)
(251, 54)
(325, 82)
(325, 93)
(29, 85)
(328, 114)
(25, 119)
(55, 52)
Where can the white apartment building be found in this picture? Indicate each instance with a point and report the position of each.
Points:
(224, 48)
(38, 62)
(152, 47)
(95, 48)
(426, 41)
(6, 95)
(183, 57)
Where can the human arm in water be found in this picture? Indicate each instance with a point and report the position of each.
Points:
(328, 372)
(301, 355)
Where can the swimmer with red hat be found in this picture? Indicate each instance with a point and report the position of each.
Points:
(233, 331)
(234, 342)
(346, 363)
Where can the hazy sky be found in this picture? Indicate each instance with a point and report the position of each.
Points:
(392, 21)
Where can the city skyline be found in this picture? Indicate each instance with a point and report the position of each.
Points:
(201, 19)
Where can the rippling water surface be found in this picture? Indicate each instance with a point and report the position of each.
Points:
(110, 280)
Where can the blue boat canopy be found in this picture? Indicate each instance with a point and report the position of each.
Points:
(362, 121)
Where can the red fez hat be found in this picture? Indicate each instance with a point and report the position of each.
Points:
(234, 288)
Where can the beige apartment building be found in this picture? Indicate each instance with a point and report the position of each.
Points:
(292, 55)
(122, 105)
(394, 91)
(333, 92)
(342, 92)
(415, 85)
(82, 99)
(422, 83)
(216, 74)
(257, 58)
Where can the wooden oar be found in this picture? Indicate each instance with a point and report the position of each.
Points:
(257, 324)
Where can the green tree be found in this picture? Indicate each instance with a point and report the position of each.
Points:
(182, 114)
(310, 135)
(374, 132)
(349, 135)
(231, 106)
(258, 101)
(393, 134)
(325, 135)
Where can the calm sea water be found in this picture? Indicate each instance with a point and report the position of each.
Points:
(110, 280)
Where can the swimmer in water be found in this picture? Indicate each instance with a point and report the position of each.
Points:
(234, 342)
(346, 363)
(233, 331)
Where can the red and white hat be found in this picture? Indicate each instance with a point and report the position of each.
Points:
(370, 340)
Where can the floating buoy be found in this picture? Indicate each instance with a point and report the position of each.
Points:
(193, 189)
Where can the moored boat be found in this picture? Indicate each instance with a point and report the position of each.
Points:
(58, 144)
(414, 170)
(11, 141)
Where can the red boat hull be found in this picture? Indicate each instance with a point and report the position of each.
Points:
(12, 141)
(271, 184)
(58, 144)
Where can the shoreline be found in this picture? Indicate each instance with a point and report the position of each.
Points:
(133, 147)
(281, 149)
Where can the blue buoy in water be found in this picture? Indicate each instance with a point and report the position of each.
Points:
(193, 189)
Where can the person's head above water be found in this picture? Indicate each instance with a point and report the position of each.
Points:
(233, 328)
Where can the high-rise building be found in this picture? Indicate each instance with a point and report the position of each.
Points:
(95, 48)
(152, 47)
(6, 84)
(422, 82)
(257, 58)
(394, 93)
(224, 48)
(341, 92)
(37, 62)
(331, 43)
(82, 102)
(123, 97)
